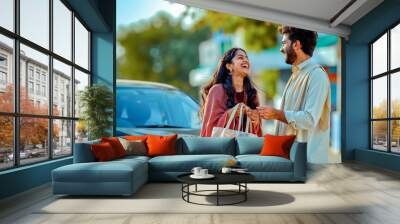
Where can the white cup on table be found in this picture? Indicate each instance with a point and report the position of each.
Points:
(203, 172)
(196, 171)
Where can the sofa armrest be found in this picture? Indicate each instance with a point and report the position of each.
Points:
(83, 152)
(298, 155)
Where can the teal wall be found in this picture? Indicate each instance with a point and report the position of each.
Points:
(24, 178)
(99, 16)
(356, 101)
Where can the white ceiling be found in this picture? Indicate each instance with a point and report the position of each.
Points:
(327, 16)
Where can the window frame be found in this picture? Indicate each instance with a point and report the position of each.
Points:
(16, 114)
(388, 74)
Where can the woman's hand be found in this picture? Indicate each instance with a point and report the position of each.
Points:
(253, 115)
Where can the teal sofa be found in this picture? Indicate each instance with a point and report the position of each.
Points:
(125, 176)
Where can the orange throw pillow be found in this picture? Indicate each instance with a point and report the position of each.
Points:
(161, 145)
(116, 145)
(277, 145)
(134, 138)
(103, 152)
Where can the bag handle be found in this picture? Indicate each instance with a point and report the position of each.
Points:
(232, 116)
(240, 118)
(249, 125)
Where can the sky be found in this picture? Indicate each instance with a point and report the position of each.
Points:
(129, 11)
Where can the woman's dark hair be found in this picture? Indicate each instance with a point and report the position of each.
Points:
(307, 38)
(221, 76)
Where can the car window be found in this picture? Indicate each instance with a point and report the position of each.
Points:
(155, 107)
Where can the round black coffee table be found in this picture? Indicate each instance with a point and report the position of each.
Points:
(238, 179)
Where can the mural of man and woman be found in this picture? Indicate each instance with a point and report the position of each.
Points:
(305, 106)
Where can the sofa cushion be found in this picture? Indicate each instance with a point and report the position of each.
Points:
(161, 145)
(103, 152)
(112, 171)
(257, 163)
(116, 145)
(185, 163)
(249, 145)
(194, 145)
(277, 145)
(131, 158)
(134, 147)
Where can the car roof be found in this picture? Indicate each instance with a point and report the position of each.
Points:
(145, 84)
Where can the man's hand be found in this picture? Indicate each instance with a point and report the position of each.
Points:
(270, 113)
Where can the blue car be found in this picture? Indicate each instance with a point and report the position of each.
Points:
(154, 108)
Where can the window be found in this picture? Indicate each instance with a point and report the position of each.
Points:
(6, 73)
(62, 29)
(7, 14)
(3, 61)
(37, 89)
(81, 45)
(62, 140)
(41, 66)
(30, 72)
(37, 74)
(3, 78)
(62, 74)
(43, 90)
(34, 21)
(385, 94)
(30, 87)
(43, 77)
(3, 72)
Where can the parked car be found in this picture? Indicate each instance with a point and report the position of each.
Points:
(154, 108)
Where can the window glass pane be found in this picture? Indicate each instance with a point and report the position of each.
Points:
(6, 142)
(33, 139)
(379, 135)
(6, 74)
(379, 55)
(7, 14)
(81, 45)
(62, 29)
(62, 138)
(35, 21)
(81, 131)
(395, 136)
(395, 94)
(81, 81)
(62, 89)
(379, 97)
(395, 47)
(34, 72)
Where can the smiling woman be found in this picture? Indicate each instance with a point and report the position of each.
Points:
(230, 85)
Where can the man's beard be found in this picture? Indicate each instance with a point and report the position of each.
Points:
(290, 55)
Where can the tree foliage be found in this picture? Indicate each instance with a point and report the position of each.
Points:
(258, 35)
(161, 50)
(33, 131)
(268, 80)
(97, 104)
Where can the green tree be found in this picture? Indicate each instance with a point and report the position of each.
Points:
(258, 35)
(161, 50)
(268, 80)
